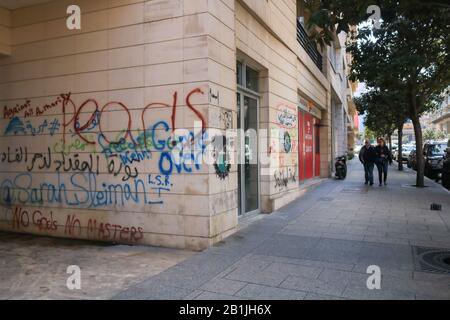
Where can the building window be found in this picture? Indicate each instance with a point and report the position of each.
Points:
(247, 77)
(251, 77)
(239, 74)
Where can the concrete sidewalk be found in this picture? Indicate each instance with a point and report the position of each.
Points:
(319, 247)
(33, 267)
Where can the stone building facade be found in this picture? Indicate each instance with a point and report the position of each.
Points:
(103, 126)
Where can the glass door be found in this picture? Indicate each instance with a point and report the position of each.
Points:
(248, 168)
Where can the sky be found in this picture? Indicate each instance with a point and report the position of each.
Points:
(359, 91)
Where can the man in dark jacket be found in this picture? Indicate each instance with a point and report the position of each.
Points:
(367, 157)
(383, 159)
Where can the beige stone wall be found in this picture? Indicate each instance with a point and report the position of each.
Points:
(5, 32)
(337, 74)
(266, 33)
(135, 71)
(91, 116)
(279, 17)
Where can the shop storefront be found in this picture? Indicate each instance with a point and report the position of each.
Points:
(309, 140)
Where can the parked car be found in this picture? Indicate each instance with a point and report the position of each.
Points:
(406, 150)
(446, 167)
(412, 160)
(394, 152)
(433, 153)
(394, 147)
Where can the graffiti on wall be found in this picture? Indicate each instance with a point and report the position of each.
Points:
(221, 156)
(226, 119)
(287, 116)
(17, 126)
(93, 155)
(284, 144)
(22, 219)
(214, 97)
(285, 175)
(287, 142)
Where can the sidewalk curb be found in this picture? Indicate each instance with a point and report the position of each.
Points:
(431, 181)
(438, 184)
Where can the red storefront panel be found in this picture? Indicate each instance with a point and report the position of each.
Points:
(309, 145)
(301, 156)
(317, 146)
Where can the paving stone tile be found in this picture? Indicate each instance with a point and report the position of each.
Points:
(409, 236)
(348, 277)
(206, 295)
(287, 246)
(437, 289)
(305, 262)
(384, 239)
(153, 291)
(260, 292)
(344, 236)
(428, 297)
(431, 277)
(335, 287)
(294, 270)
(303, 233)
(359, 293)
(430, 244)
(316, 297)
(387, 272)
(194, 294)
(262, 277)
(223, 286)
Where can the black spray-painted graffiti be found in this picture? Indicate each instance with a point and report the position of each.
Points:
(222, 159)
(226, 120)
(214, 97)
(284, 176)
(287, 142)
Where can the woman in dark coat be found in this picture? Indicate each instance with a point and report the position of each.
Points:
(383, 159)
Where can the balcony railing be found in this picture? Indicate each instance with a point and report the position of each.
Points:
(308, 45)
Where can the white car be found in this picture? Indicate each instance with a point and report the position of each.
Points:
(406, 150)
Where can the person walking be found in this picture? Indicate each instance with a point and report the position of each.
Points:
(367, 157)
(383, 160)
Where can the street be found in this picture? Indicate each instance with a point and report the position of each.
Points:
(318, 247)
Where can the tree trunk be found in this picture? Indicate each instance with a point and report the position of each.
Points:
(390, 142)
(420, 180)
(400, 147)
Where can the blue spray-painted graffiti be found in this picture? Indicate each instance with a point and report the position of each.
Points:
(75, 174)
(83, 190)
(178, 152)
(17, 126)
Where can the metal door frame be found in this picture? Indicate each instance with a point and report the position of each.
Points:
(244, 92)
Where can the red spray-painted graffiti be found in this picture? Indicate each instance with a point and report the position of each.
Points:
(72, 113)
(23, 219)
(174, 110)
(73, 121)
(103, 230)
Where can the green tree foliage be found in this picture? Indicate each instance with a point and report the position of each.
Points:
(432, 134)
(369, 134)
(409, 53)
(385, 112)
